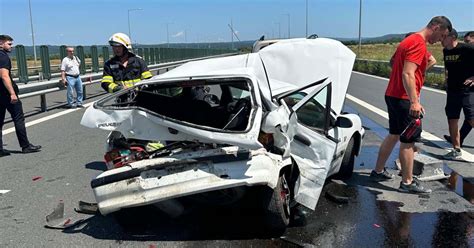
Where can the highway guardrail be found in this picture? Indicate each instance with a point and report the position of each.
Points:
(41, 89)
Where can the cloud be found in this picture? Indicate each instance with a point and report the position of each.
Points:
(179, 34)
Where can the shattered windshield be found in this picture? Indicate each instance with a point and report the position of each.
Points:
(217, 103)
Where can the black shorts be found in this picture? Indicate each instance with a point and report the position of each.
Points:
(457, 100)
(399, 117)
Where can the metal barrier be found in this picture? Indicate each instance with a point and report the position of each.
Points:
(95, 59)
(45, 66)
(43, 88)
(152, 55)
(435, 69)
(21, 63)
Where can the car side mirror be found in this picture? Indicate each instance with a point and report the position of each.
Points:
(344, 122)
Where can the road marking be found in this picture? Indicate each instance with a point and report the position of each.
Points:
(4, 191)
(425, 135)
(47, 118)
(386, 79)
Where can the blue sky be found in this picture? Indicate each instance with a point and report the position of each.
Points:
(88, 22)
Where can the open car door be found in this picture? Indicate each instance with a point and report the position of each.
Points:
(311, 147)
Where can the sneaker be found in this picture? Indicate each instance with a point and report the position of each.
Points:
(453, 154)
(31, 148)
(70, 106)
(80, 106)
(4, 153)
(413, 188)
(447, 138)
(382, 176)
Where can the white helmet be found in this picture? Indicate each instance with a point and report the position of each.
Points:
(122, 39)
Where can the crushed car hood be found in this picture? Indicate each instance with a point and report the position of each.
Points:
(304, 61)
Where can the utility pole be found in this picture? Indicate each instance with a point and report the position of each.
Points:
(306, 18)
(288, 15)
(360, 25)
(232, 33)
(168, 34)
(279, 29)
(129, 29)
(32, 33)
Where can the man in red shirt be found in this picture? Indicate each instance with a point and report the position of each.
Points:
(403, 100)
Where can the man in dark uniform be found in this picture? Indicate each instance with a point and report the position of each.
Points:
(466, 126)
(459, 72)
(9, 100)
(125, 69)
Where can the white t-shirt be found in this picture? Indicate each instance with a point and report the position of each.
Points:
(71, 66)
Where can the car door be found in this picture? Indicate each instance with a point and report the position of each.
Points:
(312, 147)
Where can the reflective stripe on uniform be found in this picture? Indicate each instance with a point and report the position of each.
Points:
(112, 87)
(147, 74)
(107, 79)
(129, 83)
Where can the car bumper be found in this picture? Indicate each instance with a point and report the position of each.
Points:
(166, 179)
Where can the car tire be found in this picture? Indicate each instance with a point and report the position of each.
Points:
(278, 211)
(347, 164)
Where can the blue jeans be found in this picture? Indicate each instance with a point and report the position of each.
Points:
(74, 84)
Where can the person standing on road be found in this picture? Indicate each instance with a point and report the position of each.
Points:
(125, 69)
(9, 100)
(459, 72)
(403, 101)
(71, 78)
(466, 126)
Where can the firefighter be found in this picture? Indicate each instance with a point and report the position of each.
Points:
(125, 69)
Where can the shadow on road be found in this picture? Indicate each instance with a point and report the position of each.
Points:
(96, 165)
(362, 179)
(149, 224)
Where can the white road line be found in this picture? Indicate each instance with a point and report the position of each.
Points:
(4, 191)
(47, 118)
(386, 79)
(425, 135)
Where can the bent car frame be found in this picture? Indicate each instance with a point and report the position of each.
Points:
(222, 126)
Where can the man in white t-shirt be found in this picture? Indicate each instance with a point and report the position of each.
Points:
(71, 78)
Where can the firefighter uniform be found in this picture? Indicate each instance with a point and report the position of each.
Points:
(117, 77)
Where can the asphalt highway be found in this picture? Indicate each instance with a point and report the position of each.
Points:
(31, 186)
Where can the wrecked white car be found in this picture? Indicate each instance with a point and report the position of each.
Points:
(272, 118)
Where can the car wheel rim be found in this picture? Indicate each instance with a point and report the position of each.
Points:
(285, 196)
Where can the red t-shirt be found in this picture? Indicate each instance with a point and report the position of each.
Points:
(412, 49)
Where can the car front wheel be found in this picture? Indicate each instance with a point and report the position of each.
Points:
(347, 165)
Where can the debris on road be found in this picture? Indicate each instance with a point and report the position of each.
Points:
(4, 191)
(337, 193)
(425, 167)
(36, 178)
(87, 208)
(56, 220)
